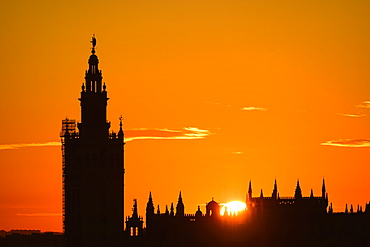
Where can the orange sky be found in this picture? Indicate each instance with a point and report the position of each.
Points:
(252, 88)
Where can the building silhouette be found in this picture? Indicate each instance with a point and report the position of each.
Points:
(93, 180)
(268, 221)
(93, 169)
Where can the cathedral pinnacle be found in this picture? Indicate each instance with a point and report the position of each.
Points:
(180, 197)
(298, 191)
(250, 190)
(180, 209)
(275, 191)
(323, 190)
(134, 209)
(150, 205)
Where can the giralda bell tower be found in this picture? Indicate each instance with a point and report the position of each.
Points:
(93, 170)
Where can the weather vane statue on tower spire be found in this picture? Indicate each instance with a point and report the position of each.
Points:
(93, 41)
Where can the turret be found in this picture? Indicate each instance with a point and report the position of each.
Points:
(134, 224)
(198, 214)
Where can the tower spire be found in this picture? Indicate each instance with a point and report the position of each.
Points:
(93, 99)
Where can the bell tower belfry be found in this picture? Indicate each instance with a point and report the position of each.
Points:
(93, 169)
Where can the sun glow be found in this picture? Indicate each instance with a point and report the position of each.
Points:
(233, 208)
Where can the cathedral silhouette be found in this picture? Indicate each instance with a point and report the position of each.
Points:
(93, 186)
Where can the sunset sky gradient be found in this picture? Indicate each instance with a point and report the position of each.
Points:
(213, 93)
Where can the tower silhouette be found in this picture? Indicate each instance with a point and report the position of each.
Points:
(93, 169)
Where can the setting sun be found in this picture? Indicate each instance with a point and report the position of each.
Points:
(233, 208)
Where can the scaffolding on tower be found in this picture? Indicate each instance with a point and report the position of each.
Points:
(68, 131)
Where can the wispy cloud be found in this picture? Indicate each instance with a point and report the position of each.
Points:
(365, 104)
(187, 133)
(237, 152)
(355, 143)
(41, 214)
(352, 115)
(253, 108)
(24, 145)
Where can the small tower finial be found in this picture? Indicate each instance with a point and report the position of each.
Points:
(120, 132)
(120, 121)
